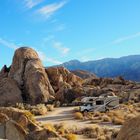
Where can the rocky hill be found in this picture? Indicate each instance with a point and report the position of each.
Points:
(127, 67)
(27, 81)
(84, 74)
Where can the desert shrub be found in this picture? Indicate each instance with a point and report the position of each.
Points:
(20, 106)
(117, 121)
(61, 129)
(100, 133)
(30, 116)
(49, 126)
(88, 115)
(57, 104)
(101, 138)
(71, 137)
(50, 107)
(130, 116)
(114, 133)
(93, 131)
(76, 109)
(39, 109)
(74, 129)
(106, 118)
(78, 115)
(97, 114)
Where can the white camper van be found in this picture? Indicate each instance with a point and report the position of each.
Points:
(100, 104)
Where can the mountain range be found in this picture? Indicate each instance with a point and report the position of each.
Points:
(127, 67)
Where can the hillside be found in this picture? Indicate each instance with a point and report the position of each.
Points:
(128, 67)
(84, 74)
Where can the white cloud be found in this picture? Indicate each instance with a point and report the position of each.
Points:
(8, 44)
(48, 10)
(44, 58)
(52, 60)
(120, 40)
(59, 46)
(32, 3)
(41, 54)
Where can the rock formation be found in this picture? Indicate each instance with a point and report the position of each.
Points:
(130, 130)
(9, 92)
(28, 71)
(4, 71)
(63, 81)
(26, 79)
(18, 124)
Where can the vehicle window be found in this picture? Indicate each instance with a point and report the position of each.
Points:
(99, 102)
(90, 100)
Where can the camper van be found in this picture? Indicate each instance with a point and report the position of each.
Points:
(101, 104)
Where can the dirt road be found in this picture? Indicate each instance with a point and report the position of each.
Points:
(65, 115)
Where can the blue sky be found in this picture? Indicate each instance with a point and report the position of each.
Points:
(62, 30)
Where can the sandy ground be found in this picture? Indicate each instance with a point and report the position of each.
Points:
(65, 115)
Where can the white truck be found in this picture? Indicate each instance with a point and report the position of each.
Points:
(101, 104)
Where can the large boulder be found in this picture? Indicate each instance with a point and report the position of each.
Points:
(14, 131)
(19, 124)
(9, 92)
(28, 71)
(130, 130)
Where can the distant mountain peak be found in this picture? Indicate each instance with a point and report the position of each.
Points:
(126, 66)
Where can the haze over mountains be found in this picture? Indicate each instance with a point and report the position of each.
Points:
(128, 67)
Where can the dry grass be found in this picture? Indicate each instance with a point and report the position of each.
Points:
(106, 118)
(61, 129)
(39, 109)
(78, 116)
(117, 121)
(50, 127)
(50, 107)
(116, 117)
(99, 133)
(76, 109)
(71, 137)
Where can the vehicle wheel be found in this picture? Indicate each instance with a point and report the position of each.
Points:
(86, 111)
(107, 110)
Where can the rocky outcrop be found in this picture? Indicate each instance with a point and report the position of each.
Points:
(14, 131)
(29, 74)
(62, 81)
(25, 81)
(130, 130)
(9, 92)
(58, 75)
(124, 89)
(4, 72)
(18, 124)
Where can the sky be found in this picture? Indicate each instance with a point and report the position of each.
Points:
(63, 30)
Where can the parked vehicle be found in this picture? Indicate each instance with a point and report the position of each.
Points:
(101, 104)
